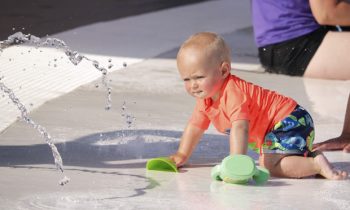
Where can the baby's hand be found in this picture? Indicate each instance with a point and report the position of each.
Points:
(178, 158)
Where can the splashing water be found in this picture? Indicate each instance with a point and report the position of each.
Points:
(75, 58)
(129, 118)
(42, 130)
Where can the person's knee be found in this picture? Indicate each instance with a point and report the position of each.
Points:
(272, 163)
(269, 161)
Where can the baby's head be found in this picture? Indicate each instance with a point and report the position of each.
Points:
(204, 61)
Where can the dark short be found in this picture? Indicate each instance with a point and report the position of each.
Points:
(293, 56)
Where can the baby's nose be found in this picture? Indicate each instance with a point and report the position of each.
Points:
(194, 84)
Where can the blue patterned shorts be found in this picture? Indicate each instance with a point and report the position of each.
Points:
(292, 135)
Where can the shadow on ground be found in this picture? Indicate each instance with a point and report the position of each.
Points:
(122, 149)
(112, 149)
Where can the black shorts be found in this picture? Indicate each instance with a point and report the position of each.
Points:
(293, 56)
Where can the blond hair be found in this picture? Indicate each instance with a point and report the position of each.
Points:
(213, 45)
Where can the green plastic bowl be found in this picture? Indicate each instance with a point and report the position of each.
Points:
(161, 164)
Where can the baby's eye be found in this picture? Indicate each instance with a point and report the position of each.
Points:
(186, 79)
(199, 77)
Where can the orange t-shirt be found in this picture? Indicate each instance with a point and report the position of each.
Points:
(241, 100)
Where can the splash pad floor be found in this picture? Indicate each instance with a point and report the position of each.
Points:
(105, 152)
(105, 158)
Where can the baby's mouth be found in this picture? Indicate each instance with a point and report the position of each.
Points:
(197, 93)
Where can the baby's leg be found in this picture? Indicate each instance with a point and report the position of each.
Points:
(291, 166)
(326, 169)
(281, 165)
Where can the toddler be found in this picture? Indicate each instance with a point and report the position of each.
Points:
(275, 126)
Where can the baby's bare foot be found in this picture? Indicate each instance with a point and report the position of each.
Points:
(327, 171)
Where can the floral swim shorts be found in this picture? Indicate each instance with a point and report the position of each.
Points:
(292, 135)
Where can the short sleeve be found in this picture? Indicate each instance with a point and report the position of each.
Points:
(199, 118)
(237, 105)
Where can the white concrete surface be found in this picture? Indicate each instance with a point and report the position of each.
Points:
(126, 40)
(105, 157)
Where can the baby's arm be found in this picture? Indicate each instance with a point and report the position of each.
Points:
(239, 137)
(188, 142)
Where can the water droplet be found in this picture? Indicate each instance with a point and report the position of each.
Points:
(64, 181)
(75, 58)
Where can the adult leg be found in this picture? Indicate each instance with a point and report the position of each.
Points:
(331, 60)
(343, 141)
(292, 166)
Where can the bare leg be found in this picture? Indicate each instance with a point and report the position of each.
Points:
(326, 169)
(343, 141)
(298, 166)
(331, 60)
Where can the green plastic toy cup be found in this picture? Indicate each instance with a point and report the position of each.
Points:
(239, 169)
(161, 164)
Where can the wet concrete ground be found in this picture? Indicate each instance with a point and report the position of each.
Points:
(105, 156)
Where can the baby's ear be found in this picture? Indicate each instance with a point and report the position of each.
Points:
(225, 69)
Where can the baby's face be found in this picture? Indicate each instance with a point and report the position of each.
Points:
(202, 79)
